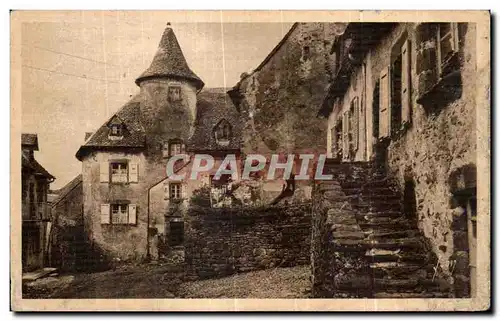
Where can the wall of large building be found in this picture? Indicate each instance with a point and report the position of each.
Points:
(281, 98)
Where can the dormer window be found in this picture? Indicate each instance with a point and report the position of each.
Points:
(174, 93)
(222, 133)
(173, 147)
(116, 128)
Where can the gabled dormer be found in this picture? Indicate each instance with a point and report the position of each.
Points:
(117, 128)
(222, 132)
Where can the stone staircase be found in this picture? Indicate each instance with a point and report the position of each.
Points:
(377, 250)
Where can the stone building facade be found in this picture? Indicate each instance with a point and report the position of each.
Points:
(35, 211)
(403, 97)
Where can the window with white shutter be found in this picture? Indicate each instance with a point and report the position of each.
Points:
(132, 214)
(345, 136)
(133, 173)
(385, 103)
(166, 192)
(104, 172)
(105, 214)
(354, 126)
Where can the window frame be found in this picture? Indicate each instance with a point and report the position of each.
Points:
(173, 189)
(170, 93)
(119, 212)
(441, 65)
(127, 171)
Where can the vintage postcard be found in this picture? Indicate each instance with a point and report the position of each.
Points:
(250, 161)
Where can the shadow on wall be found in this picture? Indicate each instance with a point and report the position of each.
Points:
(71, 250)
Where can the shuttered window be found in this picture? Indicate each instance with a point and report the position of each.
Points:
(132, 214)
(354, 126)
(119, 213)
(345, 136)
(405, 83)
(385, 103)
(105, 217)
(133, 174)
(104, 172)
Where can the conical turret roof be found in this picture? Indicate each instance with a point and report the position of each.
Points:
(169, 61)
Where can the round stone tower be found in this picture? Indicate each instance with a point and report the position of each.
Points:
(168, 91)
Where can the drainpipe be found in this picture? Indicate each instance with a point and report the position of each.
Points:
(148, 253)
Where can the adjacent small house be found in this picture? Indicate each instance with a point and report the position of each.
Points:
(36, 223)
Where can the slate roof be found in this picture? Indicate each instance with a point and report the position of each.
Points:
(31, 165)
(29, 141)
(214, 105)
(67, 188)
(133, 134)
(169, 61)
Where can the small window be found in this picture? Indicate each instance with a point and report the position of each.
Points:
(175, 191)
(448, 42)
(116, 130)
(119, 172)
(223, 133)
(173, 148)
(306, 53)
(174, 93)
(119, 214)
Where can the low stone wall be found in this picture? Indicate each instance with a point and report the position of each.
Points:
(224, 241)
(338, 265)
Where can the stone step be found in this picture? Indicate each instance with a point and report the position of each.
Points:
(396, 284)
(378, 191)
(395, 244)
(386, 221)
(377, 182)
(366, 216)
(382, 255)
(402, 295)
(401, 270)
(383, 233)
(377, 207)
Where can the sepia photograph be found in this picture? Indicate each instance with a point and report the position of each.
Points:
(301, 161)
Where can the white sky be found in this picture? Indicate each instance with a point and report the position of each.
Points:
(76, 75)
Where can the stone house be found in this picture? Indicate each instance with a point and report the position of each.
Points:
(35, 181)
(131, 210)
(403, 100)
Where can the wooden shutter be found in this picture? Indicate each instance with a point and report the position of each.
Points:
(133, 173)
(105, 217)
(333, 134)
(166, 191)
(355, 123)
(385, 103)
(405, 83)
(345, 136)
(132, 214)
(104, 172)
(183, 191)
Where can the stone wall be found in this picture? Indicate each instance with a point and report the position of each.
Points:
(279, 100)
(439, 141)
(225, 241)
(338, 262)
